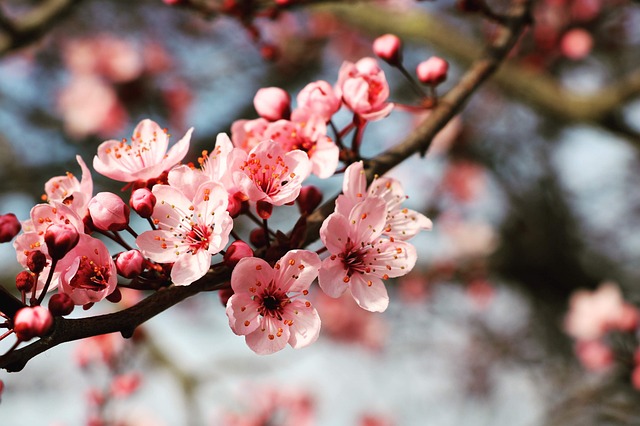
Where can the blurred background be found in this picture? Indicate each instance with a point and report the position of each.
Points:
(533, 191)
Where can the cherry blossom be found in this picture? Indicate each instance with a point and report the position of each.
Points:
(247, 134)
(401, 223)
(272, 103)
(68, 190)
(320, 99)
(190, 230)
(145, 158)
(272, 175)
(360, 259)
(364, 89)
(87, 272)
(266, 306)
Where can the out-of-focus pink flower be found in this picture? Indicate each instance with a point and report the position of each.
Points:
(145, 158)
(272, 103)
(130, 263)
(388, 47)
(576, 44)
(102, 348)
(271, 174)
(464, 180)
(124, 385)
(68, 190)
(266, 306)
(247, 134)
(594, 355)
(142, 201)
(108, 212)
(592, 314)
(433, 71)
(89, 106)
(400, 223)
(9, 227)
(32, 321)
(320, 99)
(364, 89)
(360, 259)
(88, 273)
(190, 230)
(112, 58)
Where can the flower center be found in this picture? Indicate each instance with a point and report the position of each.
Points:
(198, 238)
(90, 276)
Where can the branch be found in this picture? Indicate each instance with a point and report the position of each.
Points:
(33, 24)
(127, 320)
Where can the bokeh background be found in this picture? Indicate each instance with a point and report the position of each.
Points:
(533, 190)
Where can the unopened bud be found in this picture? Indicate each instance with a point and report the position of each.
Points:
(108, 212)
(310, 197)
(36, 261)
(433, 71)
(257, 237)
(60, 239)
(388, 48)
(264, 209)
(9, 227)
(238, 203)
(130, 263)
(272, 103)
(25, 281)
(142, 202)
(224, 295)
(32, 321)
(236, 251)
(60, 304)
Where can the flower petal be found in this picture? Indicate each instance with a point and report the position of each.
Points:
(369, 292)
(296, 270)
(242, 311)
(189, 268)
(331, 277)
(305, 323)
(271, 337)
(248, 272)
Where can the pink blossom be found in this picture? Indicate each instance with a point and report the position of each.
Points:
(32, 321)
(112, 58)
(594, 355)
(364, 89)
(266, 306)
(272, 103)
(593, 313)
(108, 212)
(400, 223)
(388, 47)
(320, 99)
(433, 71)
(307, 132)
(124, 385)
(88, 273)
(145, 158)
(360, 259)
(130, 263)
(68, 190)
(60, 239)
(9, 227)
(142, 201)
(247, 134)
(219, 164)
(273, 175)
(190, 230)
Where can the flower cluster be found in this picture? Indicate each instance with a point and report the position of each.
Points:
(190, 210)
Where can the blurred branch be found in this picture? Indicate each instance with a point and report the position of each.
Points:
(127, 320)
(536, 89)
(33, 24)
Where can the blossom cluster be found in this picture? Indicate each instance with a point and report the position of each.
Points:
(190, 210)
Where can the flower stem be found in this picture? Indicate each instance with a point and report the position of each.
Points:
(54, 262)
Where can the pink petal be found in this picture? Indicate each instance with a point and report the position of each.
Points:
(354, 185)
(369, 292)
(334, 232)
(177, 151)
(107, 165)
(306, 323)
(393, 259)
(405, 224)
(190, 267)
(243, 315)
(367, 220)
(296, 270)
(186, 179)
(148, 130)
(324, 158)
(171, 207)
(158, 245)
(248, 272)
(331, 277)
(271, 337)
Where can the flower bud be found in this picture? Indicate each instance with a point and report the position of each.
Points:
(388, 48)
(25, 281)
(142, 202)
(224, 295)
(60, 304)
(272, 103)
(433, 71)
(257, 237)
(9, 227)
(238, 204)
(108, 212)
(32, 321)
(310, 197)
(60, 239)
(236, 251)
(130, 263)
(36, 261)
(264, 209)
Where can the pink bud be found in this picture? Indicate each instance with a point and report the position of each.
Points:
(125, 384)
(60, 304)
(33, 321)
(264, 209)
(310, 197)
(433, 71)
(388, 48)
(237, 204)
(108, 212)
(25, 281)
(236, 251)
(36, 261)
(142, 202)
(9, 227)
(257, 237)
(60, 239)
(272, 103)
(130, 263)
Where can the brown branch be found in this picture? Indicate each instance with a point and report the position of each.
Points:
(125, 321)
(32, 25)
